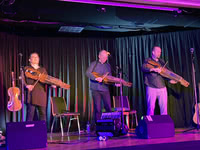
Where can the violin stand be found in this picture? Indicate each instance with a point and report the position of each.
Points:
(195, 92)
(123, 132)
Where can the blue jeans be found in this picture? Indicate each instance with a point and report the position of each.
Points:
(97, 97)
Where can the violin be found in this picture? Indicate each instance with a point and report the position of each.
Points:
(44, 78)
(167, 73)
(110, 79)
(14, 104)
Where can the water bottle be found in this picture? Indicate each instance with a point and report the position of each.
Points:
(1, 137)
(0, 134)
(102, 138)
(88, 127)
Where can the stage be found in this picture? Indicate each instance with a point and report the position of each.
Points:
(182, 140)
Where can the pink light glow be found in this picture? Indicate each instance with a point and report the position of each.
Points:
(29, 21)
(120, 4)
(177, 2)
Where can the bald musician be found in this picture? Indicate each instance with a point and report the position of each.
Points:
(100, 90)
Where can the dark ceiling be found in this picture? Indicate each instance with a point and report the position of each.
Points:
(50, 15)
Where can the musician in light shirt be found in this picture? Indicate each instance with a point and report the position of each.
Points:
(155, 83)
(99, 89)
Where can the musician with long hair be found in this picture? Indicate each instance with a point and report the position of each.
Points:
(155, 83)
(99, 89)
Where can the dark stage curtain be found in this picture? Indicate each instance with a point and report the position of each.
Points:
(131, 52)
(68, 59)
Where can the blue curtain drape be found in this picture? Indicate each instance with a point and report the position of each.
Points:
(68, 59)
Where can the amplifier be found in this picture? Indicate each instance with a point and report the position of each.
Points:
(111, 115)
(157, 126)
(26, 135)
(105, 127)
(109, 125)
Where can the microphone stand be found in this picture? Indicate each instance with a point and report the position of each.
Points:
(123, 132)
(22, 86)
(194, 87)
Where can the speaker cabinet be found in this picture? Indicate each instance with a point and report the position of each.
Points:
(157, 126)
(105, 127)
(26, 135)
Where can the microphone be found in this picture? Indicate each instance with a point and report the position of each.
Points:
(192, 50)
(20, 54)
(118, 68)
(108, 53)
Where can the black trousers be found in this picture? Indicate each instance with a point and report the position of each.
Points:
(97, 97)
(31, 112)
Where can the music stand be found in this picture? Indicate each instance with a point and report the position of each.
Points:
(195, 91)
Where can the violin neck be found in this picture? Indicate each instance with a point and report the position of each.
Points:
(13, 79)
(173, 76)
(57, 82)
(13, 83)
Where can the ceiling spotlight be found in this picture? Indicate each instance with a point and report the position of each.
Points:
(101, 9)
(9, 2)
(177, 12)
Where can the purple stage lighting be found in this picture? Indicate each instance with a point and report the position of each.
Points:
(121, 4)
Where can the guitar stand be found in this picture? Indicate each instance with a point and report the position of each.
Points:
(195, 94)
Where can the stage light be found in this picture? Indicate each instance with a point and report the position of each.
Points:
(8, 2)
(123, 4)
(71, 29)
(101, 9)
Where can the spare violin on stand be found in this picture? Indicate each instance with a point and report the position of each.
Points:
(14, 104)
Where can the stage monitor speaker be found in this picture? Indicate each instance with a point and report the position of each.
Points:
(157, 126)
(26, 135)
(105, 127)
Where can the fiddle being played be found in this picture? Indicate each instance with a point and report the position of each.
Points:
(110, 79)
(167, 73)
(154, 80)
(98, 88)
(37, 98)
(44, 78)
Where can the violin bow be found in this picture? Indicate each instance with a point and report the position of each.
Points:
(105, 75)
(40, 75)
(164, 65)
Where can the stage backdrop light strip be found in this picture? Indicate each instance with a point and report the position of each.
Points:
(120, 4)
(167, 3)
